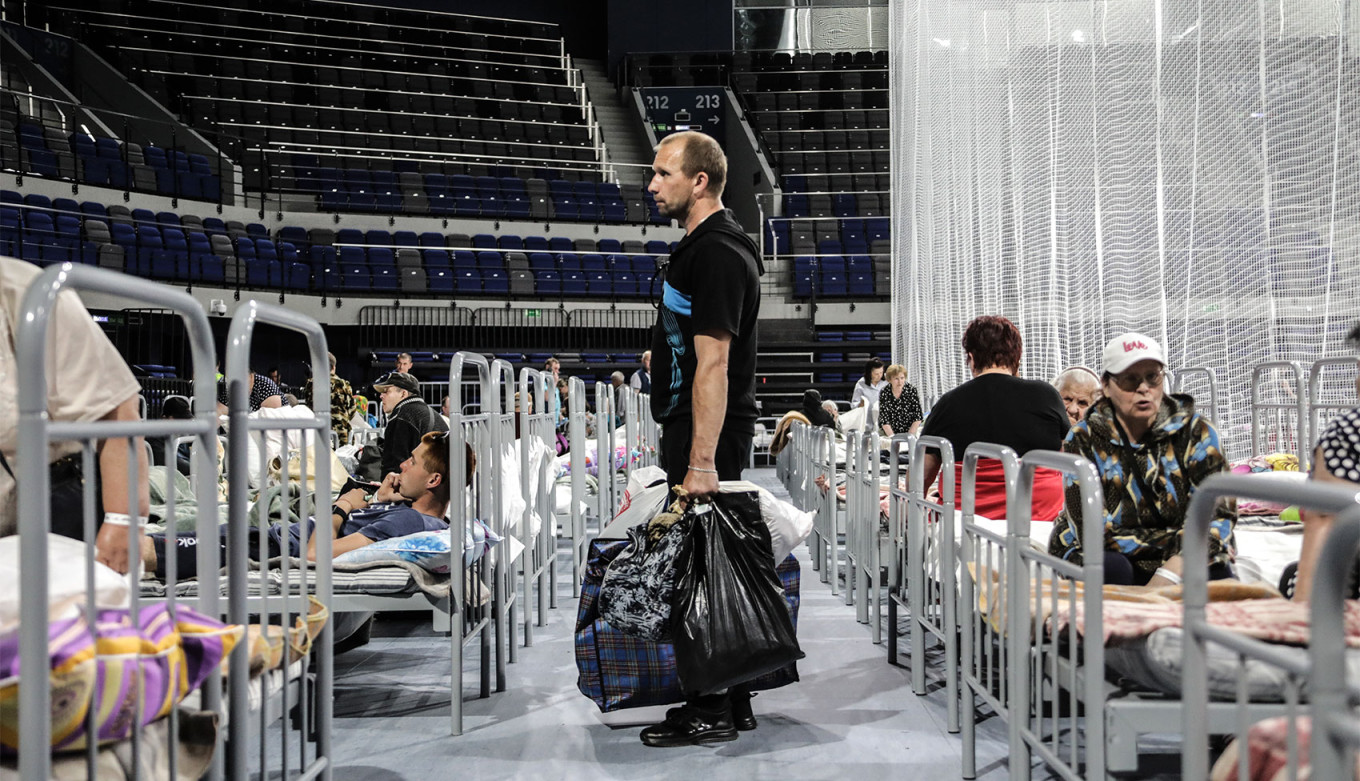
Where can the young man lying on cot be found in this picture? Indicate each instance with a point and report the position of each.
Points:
(412, 500)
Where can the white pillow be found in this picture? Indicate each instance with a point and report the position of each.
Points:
(65, 578)
(427, 550)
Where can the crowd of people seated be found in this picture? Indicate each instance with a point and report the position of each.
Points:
(1151, 449)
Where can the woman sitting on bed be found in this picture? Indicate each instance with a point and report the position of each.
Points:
(1151, 451)
(410, 501)
(997, 406)
(1336, 460)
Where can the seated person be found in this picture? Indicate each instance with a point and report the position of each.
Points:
(997, 406)
(1152, 450)
(87, 380)
(899, 406)
(413, 500)
(1079, 388)
(409, 418)
(1336, 461)
(264, 393)
(869, 386)
(813, 410)
(174, 408)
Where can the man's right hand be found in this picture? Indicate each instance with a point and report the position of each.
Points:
(352, 500)
(701, 486)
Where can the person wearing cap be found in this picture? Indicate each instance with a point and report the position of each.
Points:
(1152, 451)
(408, 418)
(1079, 388)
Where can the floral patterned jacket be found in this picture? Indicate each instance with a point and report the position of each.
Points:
(1177, 454)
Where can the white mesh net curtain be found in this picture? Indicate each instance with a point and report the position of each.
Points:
(1187, 169)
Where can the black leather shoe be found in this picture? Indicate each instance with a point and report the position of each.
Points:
(691, 725)
(742, 716)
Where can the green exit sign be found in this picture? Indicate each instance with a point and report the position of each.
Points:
(532, 312)
(1212, 307)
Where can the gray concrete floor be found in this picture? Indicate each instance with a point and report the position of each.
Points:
(853, 715)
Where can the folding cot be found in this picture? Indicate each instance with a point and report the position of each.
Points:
(1214, 653)
(537, 525)
(250, 703)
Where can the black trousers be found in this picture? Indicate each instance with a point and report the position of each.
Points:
(731, 457)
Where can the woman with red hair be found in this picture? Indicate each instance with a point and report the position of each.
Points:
(997, 406)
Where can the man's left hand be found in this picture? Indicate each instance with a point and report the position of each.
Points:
(388, 491)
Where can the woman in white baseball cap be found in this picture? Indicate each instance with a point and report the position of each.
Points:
(1152, 450)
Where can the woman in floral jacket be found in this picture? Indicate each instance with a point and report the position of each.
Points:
(1152, 451)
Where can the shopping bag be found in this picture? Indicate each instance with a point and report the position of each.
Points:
(618, 671)
(729, 623)
(635, 597)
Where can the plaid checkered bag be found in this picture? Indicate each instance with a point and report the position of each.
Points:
(619, 671)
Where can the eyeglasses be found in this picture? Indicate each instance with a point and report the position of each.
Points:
(1132, 382)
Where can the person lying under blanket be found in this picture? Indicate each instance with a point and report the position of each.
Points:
(415, 499)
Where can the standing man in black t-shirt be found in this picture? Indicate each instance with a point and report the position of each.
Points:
(703, 370)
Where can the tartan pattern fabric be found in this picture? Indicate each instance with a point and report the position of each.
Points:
(619, 671)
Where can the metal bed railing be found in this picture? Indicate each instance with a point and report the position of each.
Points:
(864, 557)
(930, 554)
(577, 444)
(506, 595)
(982, 571)
(1320, 408)
(537, 428)
(36, 431)
(1203, 718)
(316, 431)
(1286, 409)
(824, 542)
(1041, 670)
(1195, 376)
(477, 431)
(606, 419)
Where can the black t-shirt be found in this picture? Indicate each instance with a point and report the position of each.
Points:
(712, 284)
(1021, 414)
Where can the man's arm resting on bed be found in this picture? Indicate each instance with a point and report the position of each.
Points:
(345, 544)
(112, 543)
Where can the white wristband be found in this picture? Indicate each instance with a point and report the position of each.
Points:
(121, 519)
(1168, 574)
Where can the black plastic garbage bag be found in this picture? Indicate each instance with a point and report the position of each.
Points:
(729, 623)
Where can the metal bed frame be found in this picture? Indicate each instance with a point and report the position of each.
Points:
(505, 594)
(863, 548)
(1328, 680)
(923, 578)
(540, 550)
(1285, 412)
(1210, 378)
(824, 542)
(576, 441)
(36, 431)
(1055, 682)
(479, 431)
(984, 654)
(606, 421)
(240, 338)
(1041, 671)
